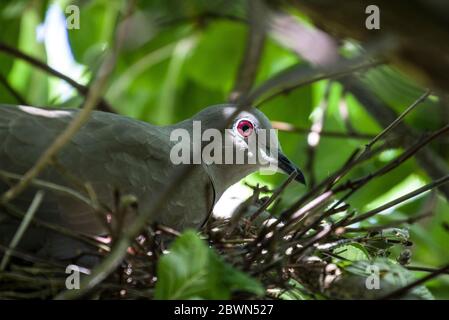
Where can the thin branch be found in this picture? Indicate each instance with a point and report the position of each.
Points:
(321, 235)
(402, 291)
(29, 257)
(14, 212)
(317, 203)
(424, 269)
(426, 211)
(431, 162)
(274, 196)
(51, 186)
(37, 200)
(301, 206)
(363, 154)
(382, 134)
(118, 252)
(408, 153)
(411, 151)
(239, 212)
(301, 75)
(399, 119)
(93, 97)
(111, 261)
(326, 184)
(399, 200)
(289, 128)
(343, 110)
(313, 139)
(262, 241)
(12, 91)
(391, 224)
(254, 48)
(83, 90)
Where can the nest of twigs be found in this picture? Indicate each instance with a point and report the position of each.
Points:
(306, 253)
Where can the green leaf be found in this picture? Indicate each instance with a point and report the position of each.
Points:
(352, 252)
(296, 292)
(392, 276)
(193, 271)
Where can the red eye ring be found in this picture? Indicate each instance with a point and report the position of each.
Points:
(245, 128)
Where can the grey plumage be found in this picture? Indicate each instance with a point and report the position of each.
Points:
(111, 152)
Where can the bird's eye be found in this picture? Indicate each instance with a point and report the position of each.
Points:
(245, 128)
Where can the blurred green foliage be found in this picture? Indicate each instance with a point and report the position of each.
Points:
(174, 64)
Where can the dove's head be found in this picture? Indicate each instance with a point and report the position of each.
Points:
(247, 143)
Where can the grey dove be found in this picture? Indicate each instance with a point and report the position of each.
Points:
(116, 153)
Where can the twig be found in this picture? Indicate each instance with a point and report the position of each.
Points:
(104, 269)
(412, 150)
(432, 163)
(382, 134)
(320, 235)
(239, 212)
(424, 269)
(396, 201)
(410, 220)
(30, 257)
(118, 252)
(354, 159)
(274, 196)
(254, 48)
(343, 111)
(327, 183)
(402, 291)
(83, 90)
(22, 227)
(167, 230)
(16, 213)
(93, 96)
(398, 119)
(51, 186)
(12, 91)
(313, 139)
(301, 75)
(99, 209)
(262, 241)
(286, 215)
(287, 127)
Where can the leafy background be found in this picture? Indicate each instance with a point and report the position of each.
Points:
(174, 63)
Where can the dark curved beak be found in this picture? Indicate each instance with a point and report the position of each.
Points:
(288, 167)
